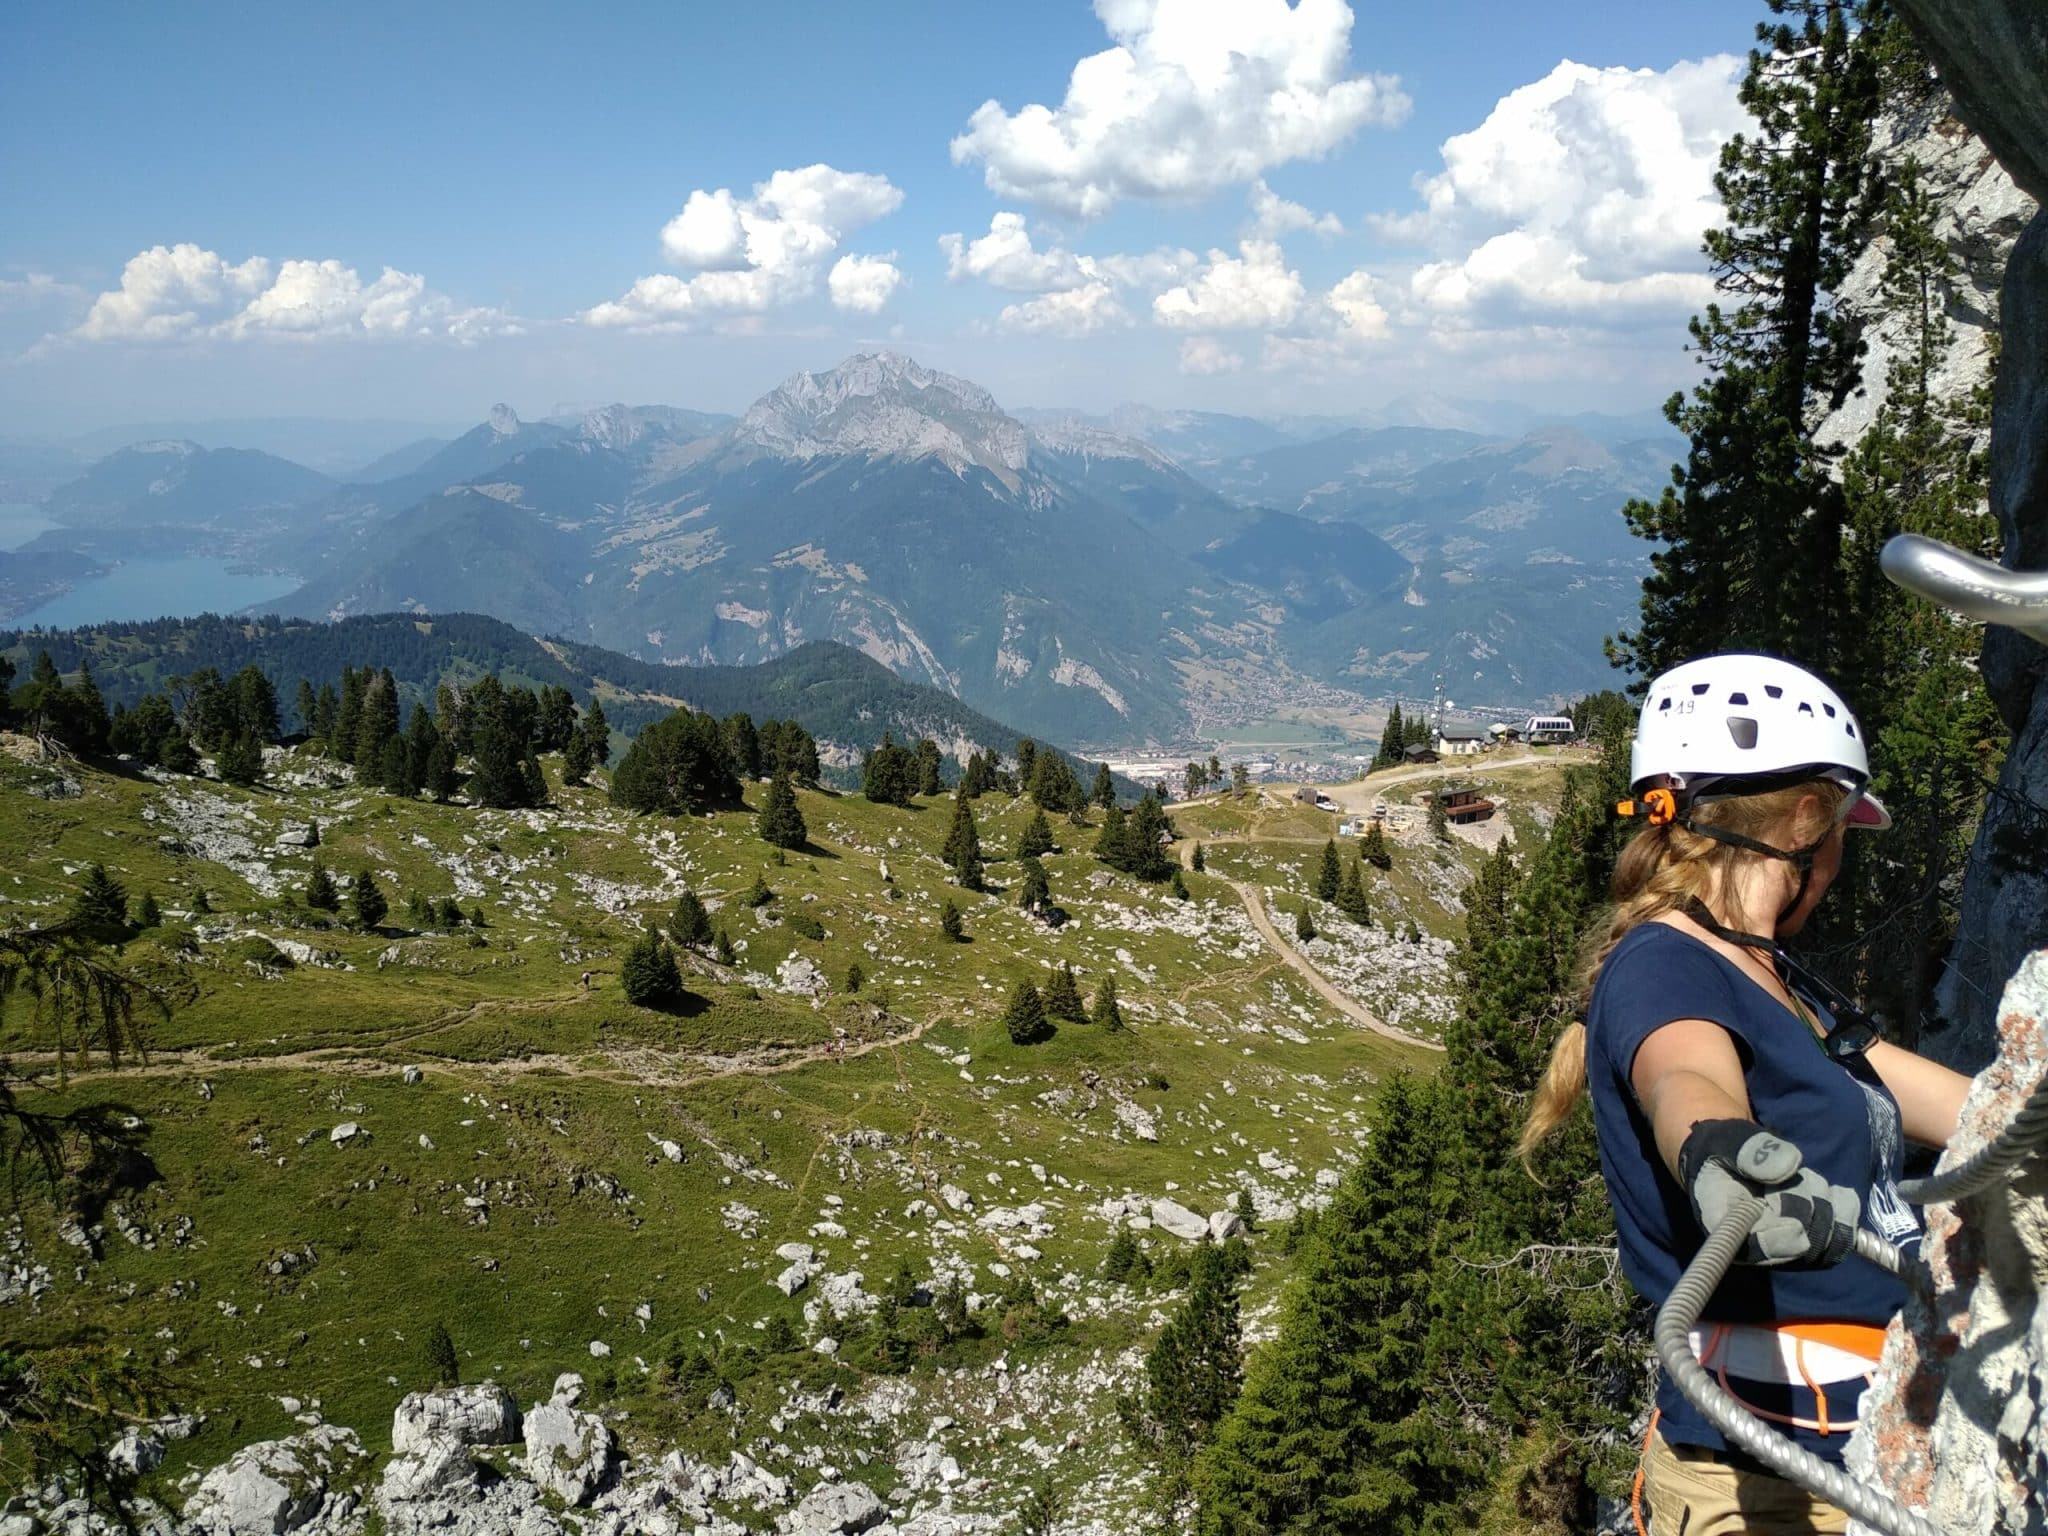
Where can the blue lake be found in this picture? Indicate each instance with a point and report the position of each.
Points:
(154, 589)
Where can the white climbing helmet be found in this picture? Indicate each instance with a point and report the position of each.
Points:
(1745, 718)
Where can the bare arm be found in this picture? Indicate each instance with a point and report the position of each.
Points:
(1930, 1095)
(1685, 1072)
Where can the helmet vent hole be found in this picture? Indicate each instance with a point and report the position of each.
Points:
(1743, 730)
(1666, 704)
(1805, 708)
(1830, 710)
(1774, 690)
(1700, 688)
(1738, 698)
(1850, 726)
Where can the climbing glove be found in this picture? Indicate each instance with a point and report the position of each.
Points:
(1807, 1222)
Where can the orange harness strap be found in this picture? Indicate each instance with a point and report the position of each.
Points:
(1635, 1494)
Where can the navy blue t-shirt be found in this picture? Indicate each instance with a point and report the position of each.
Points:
(1839, 1114)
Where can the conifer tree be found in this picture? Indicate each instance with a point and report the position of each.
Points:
(437, 1351)
(325, 708)
(376, 724)
(1351, 899)
(1052, 783)
(555, 722)
(1110, 842)
(1240, 780)
(1393, 741)
(1034, 890)
(576, 760)
(1104, 791)
(888, 774)
(1373, 847)
(1027, 759)
(1106, 1014)
(648, 975)
(1037, 837)
(596, 734)
(1750, 531)
(1193, 1371)
(307, 704)
(240, 760)
(1329, 873)
(1063, 995)
(1178, 885)
(421, 737)
(321, 893)
(441, 778)
(1304, 925)
(690, 925)
(366, 903)
(722, 948)
(1145, 837)
(1439, 819)
(147, 913)
(927, 765)
(782, 821)
(448, 915)
(758, 894)
(100, 906)
(1024, 1017)
(963, 845)
(855, 977)
(1199, 861)
(949, 922)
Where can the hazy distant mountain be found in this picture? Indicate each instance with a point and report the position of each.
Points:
(881, 503)
(176, 482)
(402, 460)
(1286, 477)
(1320, 570)
(333, 445)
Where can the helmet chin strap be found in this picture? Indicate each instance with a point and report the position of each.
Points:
(1800, 858)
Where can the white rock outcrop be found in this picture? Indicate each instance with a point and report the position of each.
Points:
(275, 1486)
(480, 1414)
(1172, 1216)
(569, 1453)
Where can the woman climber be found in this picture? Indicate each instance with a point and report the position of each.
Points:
(1716, 1066)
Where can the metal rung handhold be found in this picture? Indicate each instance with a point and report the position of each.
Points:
(1975, 588)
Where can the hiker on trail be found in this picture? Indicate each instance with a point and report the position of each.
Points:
(1718, 1064)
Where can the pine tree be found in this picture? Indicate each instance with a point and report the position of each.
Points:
(1393, 741)
(391, 767)
(1034, 890)
(421, 738)
(963, 845)
(648, 975)
(1024, 1018)
(147, 913)
(1063, 995)
(308, 707)
(596, 735)
(377, 723)
(100, 906)
(888, 775)
(556, 720)
(927, 767)
(1111, 842)
(1199, 861)
(722, 948)
(855, 977)
(1178, 885)
(240, 760)
(949, 922)
(1351, 899)
(366, 904)
(690, 925)
(437, 1353)
(758, 894)
(1121, 1258)
(1240, 780)
(1329, 873)
(1106, 1014)
(1750, 530)
(1439, 819)
(576, 760)
(1104, 791)
(1036, 840)
(1027, 759)
(441, 778)
(1193, 1372)
(781, 821)
(89, 722)
(447, 915)
(321, 894)
(1304, 925)
(1373, 847)
(1144, 842)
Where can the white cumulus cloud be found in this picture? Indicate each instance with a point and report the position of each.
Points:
(1589, 188)
(1205, 354)
(1006, 258)
(173, 292)
(1195, 95)
(1254, 290)
(1359, 313)
(1273, 215)
(863, 284)
(756, 253)
(1067, 312)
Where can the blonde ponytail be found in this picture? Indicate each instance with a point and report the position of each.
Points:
(1660, 870)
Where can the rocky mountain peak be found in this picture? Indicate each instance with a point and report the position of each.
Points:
(614, 426)
(884, 405)
(504, 420)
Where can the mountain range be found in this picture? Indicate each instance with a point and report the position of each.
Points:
(1144, 576)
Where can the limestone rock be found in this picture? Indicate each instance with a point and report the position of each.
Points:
(1956, 1425)
(1224, 1225)
(835, 1509)
(569, 1453)
(482, 1414)
(276, 1485)
(1172, 1216)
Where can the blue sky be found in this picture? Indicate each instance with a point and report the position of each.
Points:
(515, 168)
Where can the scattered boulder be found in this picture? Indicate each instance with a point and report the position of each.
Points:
(344, 1133)
(1224, 1225)
(482, 1414)
(835, 1509)
(569, 1453)
(277, 1486)
(410, 1076)
(1172, 1216)
(956, 1197)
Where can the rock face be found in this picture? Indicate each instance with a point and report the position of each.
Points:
(279, 1485)
(569, 1453)
(1957, 1424)
(836, 1509)
(1994, 55)
(483, 1414)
